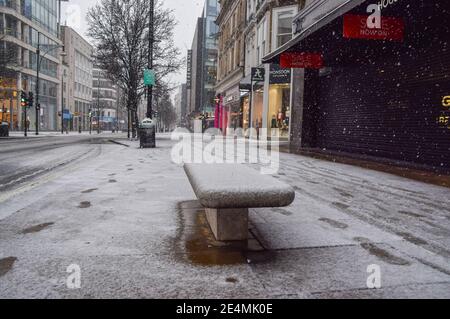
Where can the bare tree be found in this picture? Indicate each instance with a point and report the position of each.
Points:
(120, 30)
(166, 117)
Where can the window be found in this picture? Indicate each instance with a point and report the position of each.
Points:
(282, 24)
(261, 40)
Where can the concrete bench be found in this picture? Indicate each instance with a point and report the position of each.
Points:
(227, 191)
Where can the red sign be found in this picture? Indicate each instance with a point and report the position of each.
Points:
(355, 27)
(302, 60)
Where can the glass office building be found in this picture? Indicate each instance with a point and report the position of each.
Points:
(25, 25)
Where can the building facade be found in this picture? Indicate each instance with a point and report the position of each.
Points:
(231, 58)
(268, 26)
(203, 61)
(105, 101)
(379, 93)
(78, 83)
(195, 87)
(180, 104)
(29, 28)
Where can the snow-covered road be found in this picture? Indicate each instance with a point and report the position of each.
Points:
(128, 218)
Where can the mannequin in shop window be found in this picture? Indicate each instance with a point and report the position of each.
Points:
(280, 118)
(274, 121)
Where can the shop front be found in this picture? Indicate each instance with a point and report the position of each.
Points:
(279, 104)
(228, 111)
(375, 92)
(9, 106)
(257, 104)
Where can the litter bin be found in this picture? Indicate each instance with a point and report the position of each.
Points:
(147, 134)
(4, 129)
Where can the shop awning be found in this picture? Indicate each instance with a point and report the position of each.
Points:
(312, 18)
(246, 83)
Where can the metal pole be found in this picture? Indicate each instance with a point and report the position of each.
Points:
(38, 60)
(11, 114)
(98, 103)
(150, 57)
(25, 122)
(59, 19)
(250, 110)
(62, 102)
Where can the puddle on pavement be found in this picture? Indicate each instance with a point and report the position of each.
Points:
(196, 244)
(334, 223)
(341, 205)
(412, 239)
(36, 228)
(6, 265)
(84, 205)
(404, 212)
(231, 280)
(342, 192)
(384, 255)
(282, 211)
(89, 191)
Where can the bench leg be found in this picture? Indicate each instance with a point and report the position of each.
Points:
(228, 223)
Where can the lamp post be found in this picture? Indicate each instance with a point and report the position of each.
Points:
(98, 102)
(63, 73)
(150, 57)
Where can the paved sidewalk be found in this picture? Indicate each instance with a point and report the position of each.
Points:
(129, 220)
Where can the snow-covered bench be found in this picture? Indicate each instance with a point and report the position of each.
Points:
(227, 191)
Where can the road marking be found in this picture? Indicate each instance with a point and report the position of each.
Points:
(46, 177)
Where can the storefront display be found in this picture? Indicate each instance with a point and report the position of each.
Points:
(378, 97)
(9, 106)
(279, 104)
(279, 109)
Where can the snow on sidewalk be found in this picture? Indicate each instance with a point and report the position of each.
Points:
(128, 219)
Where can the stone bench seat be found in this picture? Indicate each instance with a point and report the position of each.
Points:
(227, 191)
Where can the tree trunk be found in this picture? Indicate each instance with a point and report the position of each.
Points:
(129, 121)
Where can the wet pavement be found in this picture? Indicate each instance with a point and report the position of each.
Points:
(129, 219)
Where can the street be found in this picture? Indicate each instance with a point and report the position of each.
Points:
(54, 151)
(128, 220)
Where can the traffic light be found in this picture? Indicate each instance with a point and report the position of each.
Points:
(23, 99)
(30, 99)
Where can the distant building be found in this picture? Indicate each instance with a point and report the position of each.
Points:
(180, 103)
(78, 82)
(268, 27)
(105, 99)
(231, 21)
(23, 26)
(202, 61)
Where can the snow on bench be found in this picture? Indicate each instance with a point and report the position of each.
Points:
(227, 191)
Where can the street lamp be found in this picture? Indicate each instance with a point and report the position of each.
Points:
(63, 74)
(98, 102)
(39, 58)
(151, 31)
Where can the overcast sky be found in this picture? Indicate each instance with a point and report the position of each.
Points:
(186, 12)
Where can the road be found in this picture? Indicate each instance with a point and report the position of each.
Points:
(24, 159)
(129, 220)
